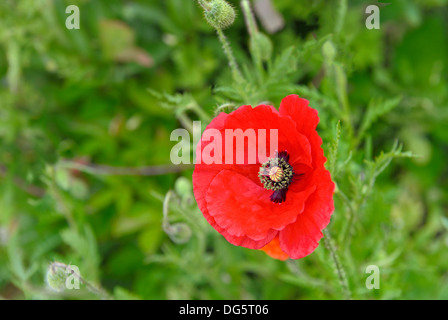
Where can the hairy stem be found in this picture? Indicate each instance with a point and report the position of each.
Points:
(253, 31)
(237, 76)
(337, 264)
(347, 229)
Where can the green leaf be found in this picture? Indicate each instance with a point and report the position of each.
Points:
(381, 162)
(121, 293)
(375, 110)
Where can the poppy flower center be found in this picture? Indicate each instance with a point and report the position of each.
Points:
(276, 174)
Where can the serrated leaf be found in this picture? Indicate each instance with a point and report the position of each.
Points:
(375, 110)
(285, 63)
(381, 162)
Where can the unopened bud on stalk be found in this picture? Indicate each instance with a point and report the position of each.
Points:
(261, 46)
(56, 276)
(329, 51)
(218, 13)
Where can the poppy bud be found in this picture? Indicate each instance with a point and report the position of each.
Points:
(329, 51)
(183, 187)
(261, 45)
(56, 276)
(219, 14)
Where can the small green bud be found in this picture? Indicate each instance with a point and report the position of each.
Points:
(261, 46)
(329, 51)
(56, 276)
(183, 187)
(220, 14)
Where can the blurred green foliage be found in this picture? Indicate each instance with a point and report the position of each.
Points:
(111, 93)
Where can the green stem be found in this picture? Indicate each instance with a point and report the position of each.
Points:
(337, 264)
(201, 113)
(185, 121)
(13, 73)
(253, 31)
(341, 13)
(237, 76)
(341, 91)
(60, 198)
(347, 229)
(249, 18)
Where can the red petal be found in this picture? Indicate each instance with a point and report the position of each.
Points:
(246, 241)
(301, 238)
(201, 182)
(244, 208)
(234, 223)
(204, 174)
(306, 120)
(267, 118)
(305, 117)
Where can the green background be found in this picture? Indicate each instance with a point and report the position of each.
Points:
(81, 97)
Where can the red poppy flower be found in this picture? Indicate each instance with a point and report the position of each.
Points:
(279, 203)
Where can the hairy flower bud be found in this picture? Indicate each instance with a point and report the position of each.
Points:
(56, 276)
(219, 14)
